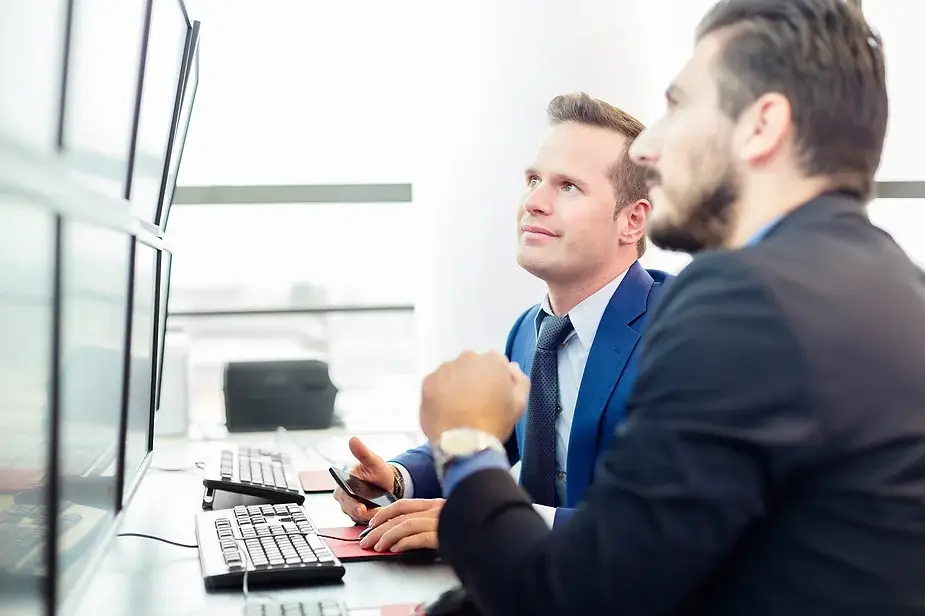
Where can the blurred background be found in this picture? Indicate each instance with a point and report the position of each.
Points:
(352, 170)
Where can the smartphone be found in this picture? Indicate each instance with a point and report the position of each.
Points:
(367, 493)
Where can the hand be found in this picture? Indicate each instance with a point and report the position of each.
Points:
(371, 468)
(409, 524)
(485, 392)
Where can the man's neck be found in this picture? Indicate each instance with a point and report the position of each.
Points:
(767, 204)
(564, 297)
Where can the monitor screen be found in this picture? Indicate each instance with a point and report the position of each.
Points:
(167, 36)
(141, 373)
(163, 299)
(104, 58)
(95, 266)
(32, 35)
(27, 274)
(179, 142)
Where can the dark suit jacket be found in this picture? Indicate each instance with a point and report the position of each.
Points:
(605, 385)
(773, 458)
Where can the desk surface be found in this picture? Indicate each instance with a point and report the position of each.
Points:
(143, 577)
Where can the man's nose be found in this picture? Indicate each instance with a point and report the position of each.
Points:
(539, 201)
(644, 149)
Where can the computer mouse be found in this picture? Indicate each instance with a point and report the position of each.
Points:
(366, 531)
(454, 602)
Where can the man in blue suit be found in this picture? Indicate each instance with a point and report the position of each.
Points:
(581, 229)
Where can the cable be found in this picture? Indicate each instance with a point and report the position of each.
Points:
(179, 469)
(338, 538)
(161, 539)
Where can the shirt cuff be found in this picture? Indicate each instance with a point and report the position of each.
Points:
(405, 477)
(547, 513)
(463, 467)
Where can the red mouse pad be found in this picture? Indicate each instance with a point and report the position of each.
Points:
(316, 482)
(345, 543)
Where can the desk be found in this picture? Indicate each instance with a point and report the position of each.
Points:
(143, 577)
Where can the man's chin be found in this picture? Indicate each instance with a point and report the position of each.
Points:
(531, 261)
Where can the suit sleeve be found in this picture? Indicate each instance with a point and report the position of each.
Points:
(717, 418)
(419, 462)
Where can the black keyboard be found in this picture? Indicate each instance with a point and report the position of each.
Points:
(304, 608)
(255, 472)
(276, 544)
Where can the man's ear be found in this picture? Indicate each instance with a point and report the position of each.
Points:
(762, 129)
(635, 214)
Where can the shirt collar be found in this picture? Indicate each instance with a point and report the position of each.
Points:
(587, 315)
(763, 231)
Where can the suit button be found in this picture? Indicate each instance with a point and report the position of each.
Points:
(558, 410)
(560, 475)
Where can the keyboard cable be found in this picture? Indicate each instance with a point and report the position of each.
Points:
(161, 539)
(178, 469)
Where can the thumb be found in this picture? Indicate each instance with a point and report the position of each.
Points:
(362, 453)
(521, 386)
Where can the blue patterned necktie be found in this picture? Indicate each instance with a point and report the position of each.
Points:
(538, 470)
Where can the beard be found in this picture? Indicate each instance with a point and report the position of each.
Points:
(703, 219)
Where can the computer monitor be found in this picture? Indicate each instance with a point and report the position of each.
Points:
(168, 34)
(104, 60)
(27, 317)
(190, 84)
(95, 275)
(32, 49)
(163, 301)
(138, 420)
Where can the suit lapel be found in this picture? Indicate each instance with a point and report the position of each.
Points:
(522, 352)
(612, 347)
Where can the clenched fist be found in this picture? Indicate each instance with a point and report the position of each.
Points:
(481, 391)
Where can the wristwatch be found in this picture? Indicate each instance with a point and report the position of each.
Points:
(461, 443)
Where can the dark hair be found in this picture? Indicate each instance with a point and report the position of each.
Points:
(627, 178)
(825, 58)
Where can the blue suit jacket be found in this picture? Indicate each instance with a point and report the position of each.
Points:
(605, 386)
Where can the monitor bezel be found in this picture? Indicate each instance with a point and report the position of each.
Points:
(126, 491)
(139, 98)
(192, 34)
(164, 266)
(189, 85)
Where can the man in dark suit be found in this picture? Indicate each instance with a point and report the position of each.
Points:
(773, 459)
(581, 230)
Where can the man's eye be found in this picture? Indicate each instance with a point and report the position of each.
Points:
(533, 182)
(569, 187)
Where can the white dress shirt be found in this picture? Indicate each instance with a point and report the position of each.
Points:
(573, 355)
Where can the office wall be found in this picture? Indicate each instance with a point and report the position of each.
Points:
(486, 129)
(297, 92)
(899, 23)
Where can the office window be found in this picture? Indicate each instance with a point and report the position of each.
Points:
(289, 257)
(671, 262)
(904, 219)
(899, 23)
(293, 255)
